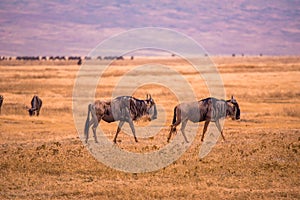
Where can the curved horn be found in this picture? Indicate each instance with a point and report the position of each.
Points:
(148, 96)
(233, 100)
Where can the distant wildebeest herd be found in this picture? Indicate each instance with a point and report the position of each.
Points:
(77, 59)
(36, 105)
(129, 109)
(61, 58)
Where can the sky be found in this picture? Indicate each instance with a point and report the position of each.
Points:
(62, 27)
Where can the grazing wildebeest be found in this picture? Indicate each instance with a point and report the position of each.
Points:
(36, 104)
(122, 109)
(79, 61)
(208, 110)
(1, 102)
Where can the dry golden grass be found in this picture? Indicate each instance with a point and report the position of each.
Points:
(43, 157)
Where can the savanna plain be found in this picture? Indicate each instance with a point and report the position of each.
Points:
(44, 158)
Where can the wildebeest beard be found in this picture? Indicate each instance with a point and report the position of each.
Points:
(237, 111)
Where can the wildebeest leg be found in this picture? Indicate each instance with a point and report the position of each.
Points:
(183, 125)
(176, 122)
(88, 125)
(170, 134)
(173, 129)
(121, 123)
(95, 128)
(220, 128)
(86, 133)
(204, 129)
(37, 112)
(95, 121)
(132, 129)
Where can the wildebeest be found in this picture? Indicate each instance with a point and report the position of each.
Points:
(36, 104)
(79, 61)
(122, 109)
(208, 110)
(1, 102)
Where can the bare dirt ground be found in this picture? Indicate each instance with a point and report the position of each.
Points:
(43, 157)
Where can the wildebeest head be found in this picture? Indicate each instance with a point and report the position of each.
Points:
(151, 107)
(233, 109)
(31, 112)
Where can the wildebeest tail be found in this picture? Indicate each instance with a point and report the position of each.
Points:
(86, 128)
(174, 117)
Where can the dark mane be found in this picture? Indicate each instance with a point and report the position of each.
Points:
(138, 108)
